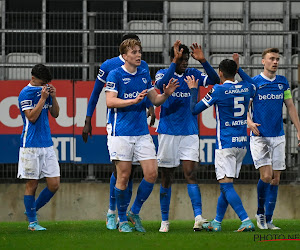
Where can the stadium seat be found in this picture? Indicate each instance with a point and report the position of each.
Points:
(20, 73)
(186, 39)
(261, 42)
(150, 42)
(215, 60)
(266, 10)
(228, 10)
(295, 9)
(188, 10)
(256, 60)
(226, 43)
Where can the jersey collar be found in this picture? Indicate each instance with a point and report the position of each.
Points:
(30, 85)
(179, 75)
(228, 81)
(267, 78)
(121, 58)
(123, 67)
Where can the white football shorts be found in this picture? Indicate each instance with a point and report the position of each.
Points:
(268, 151)
(37, 163)
(108, 130)
(228, 162)
(127, 148)
(173, 148)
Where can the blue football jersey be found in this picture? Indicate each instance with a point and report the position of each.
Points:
(104, 70)
(131, 120)
(231, 101)
(176, 117)
(38, 134)
(267, 104)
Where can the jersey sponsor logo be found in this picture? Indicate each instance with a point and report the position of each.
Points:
(236, 91)
(239, 139)
(101, 73)
(131, 95)
(270, 97)
(181, 94)
(144, 80)
(26, 104)
(159, 76)
(280, 86)
(110, 85)
(126, 80)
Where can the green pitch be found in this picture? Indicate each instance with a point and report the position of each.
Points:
(94, 235)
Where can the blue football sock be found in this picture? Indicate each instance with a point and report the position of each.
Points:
(262, 190)
(195, 196)
(144, 190)
(165, 198)
(44, 197)
(29, 202)
(121, 203)
(221, 207)
(129, 192)
(271, 202)
(112, 196)
(234, 200)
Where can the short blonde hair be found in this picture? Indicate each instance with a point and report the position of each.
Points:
(269, 50)
(129, 43)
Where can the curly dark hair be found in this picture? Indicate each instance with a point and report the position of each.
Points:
(41, 72)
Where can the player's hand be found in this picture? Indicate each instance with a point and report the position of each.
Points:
(253, 126)
(141, 96)
(87, 129)
(44, 93)
(52, 90)
(236, 58)
(298, 136)
(170, 88)
(151, 113)
(177, 52)
(191, 82)
(197, 53)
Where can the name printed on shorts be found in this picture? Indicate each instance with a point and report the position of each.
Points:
(239, 139)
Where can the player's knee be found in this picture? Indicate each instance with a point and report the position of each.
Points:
(190, 177)
(266, 178)
(275, 181)
(151, 176)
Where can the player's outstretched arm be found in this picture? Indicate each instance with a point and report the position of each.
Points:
(158, 99)
(112, 100)
(294, 116)
(241, 72)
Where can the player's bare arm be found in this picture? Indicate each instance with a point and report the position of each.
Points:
(151, 113)
(33, 114)
(158, 99)
(197, 53)
(294, 116)
(191, 82)
(87, 129)
(112, 100)
(54, 110)
(252, 125)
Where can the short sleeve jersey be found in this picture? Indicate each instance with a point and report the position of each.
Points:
(176, 117)
(231, 101)
(267, 104)
(131, 120)
(36, 134)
